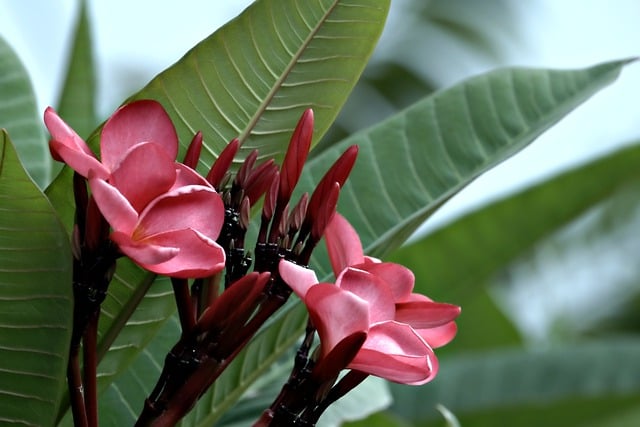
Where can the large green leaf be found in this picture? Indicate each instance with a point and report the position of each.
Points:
(410, 164)
(462, 256)
(78, 100)
(35, 298)
(19, 115)
(254, 77)
(567, 385)
(405, 172)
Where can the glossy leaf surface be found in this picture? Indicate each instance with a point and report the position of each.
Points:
(35, 298)
(254, 77)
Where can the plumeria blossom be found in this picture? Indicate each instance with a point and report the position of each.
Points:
(376, 298)
(345, 250)
(164, 215)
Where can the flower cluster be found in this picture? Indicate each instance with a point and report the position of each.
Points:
(171, 220)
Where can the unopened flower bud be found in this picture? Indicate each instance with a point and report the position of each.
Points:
(192, 156)
(296, 156)
(245, 169)
(222, 164)
(338, 172)
(298, 213)
(259, 180)
(245, 213)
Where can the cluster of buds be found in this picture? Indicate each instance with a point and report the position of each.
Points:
(172, 221)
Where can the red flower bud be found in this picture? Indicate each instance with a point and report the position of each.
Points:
(339, 172)
(222, 164)
(193, 152)
(296, 156)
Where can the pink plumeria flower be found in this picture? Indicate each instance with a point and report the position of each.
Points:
(362, 302)
(416, 310)
(374, 297)
(164, 215)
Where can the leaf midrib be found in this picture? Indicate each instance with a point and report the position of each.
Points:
(287, 71)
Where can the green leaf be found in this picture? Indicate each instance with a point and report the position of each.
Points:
(19, 115)
(381, 419)
(77, 103)
(370, 396)
(35, 298)
(410, 164)
(461, 257)
(253, 78)
(505, 387)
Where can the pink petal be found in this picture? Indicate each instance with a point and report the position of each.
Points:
(440, 335)
(426, 314)
(143, 253)
(399, 278)
(144, 173)
(397, 353)
(139, 121)
(67, 146)
(187, 176)
(372, 290)
(193, 206)
(336, 314)
(77, 160)
(198, 256)
(299, 279)
(114, 206)
(343, 244)
(62, 132)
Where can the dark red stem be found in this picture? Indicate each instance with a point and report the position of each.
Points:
(90, 359)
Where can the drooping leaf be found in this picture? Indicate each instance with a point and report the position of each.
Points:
(35, 298)
(19, 115)
(567, 385)
(77, 103)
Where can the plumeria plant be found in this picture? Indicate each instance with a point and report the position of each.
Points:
(191, 253)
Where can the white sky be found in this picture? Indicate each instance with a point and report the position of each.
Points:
(132, 43)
